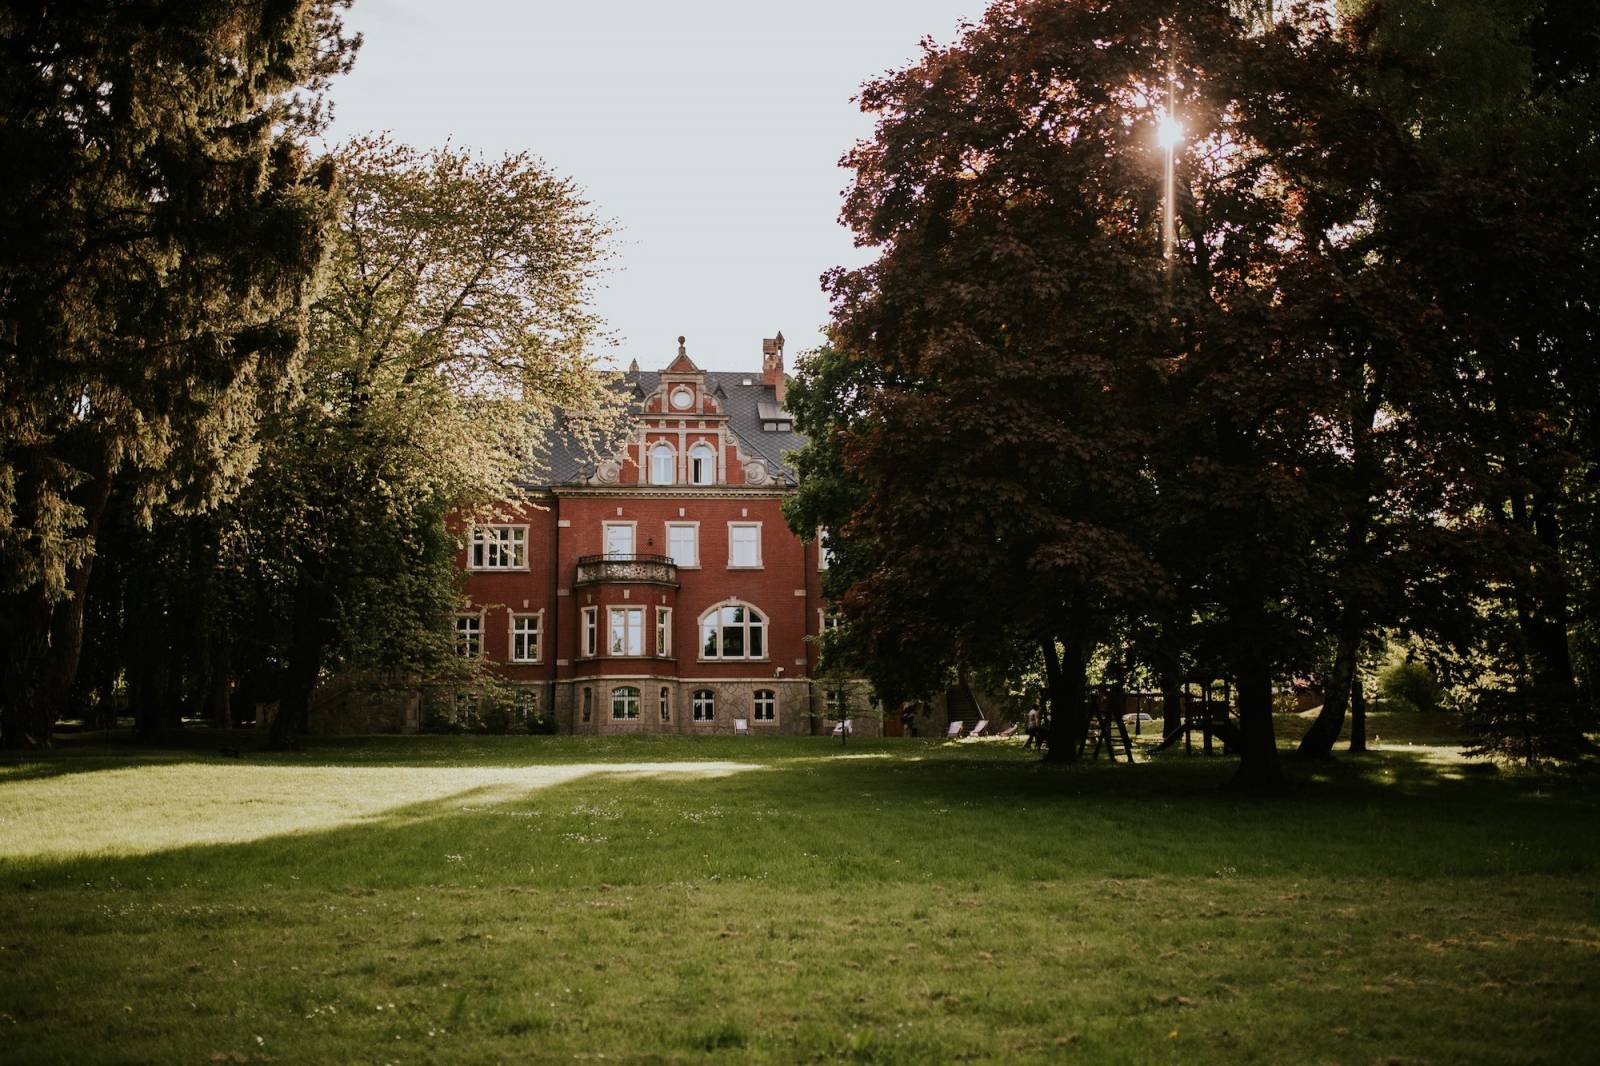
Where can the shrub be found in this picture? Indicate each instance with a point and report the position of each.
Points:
(1408, 686)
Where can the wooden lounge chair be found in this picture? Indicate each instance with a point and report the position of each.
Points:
(741, 728)
(977, 730)
(1008, 731)
(843, 729)
(955, 730)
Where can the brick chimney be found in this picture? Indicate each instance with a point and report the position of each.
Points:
(772, 365)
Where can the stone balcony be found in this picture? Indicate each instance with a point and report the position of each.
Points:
(614, 568)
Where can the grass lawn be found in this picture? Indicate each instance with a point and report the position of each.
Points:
(551, 898)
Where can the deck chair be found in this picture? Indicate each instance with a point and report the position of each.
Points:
(1008, 731)
(977, 730)
(955, 730)
(741, 728)
(843, 729)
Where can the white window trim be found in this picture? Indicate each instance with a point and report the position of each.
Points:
(823, 614)
(650, 462)
(472, 542)
(822, 549)
(589, 632)
(605, 534)
(479, 615)
(694, 705)
(759, 563)
(612, 610)
(754, 717)
(511, 635)
(716, 462)
(663, 630)
(766, 634)
(694, 525)
(638, 703)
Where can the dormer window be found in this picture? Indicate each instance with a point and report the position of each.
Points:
(662, 464)
(702, 464)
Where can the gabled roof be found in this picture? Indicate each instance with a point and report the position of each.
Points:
(572, 451)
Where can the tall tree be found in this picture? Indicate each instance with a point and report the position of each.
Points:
(1056, 395)
(455, 324)
(160, 235)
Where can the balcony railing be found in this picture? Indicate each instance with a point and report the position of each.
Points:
(617, 566)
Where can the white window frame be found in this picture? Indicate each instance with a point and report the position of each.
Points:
(834, 702)
(605, 538)
(663, 631)
(757, 565)
(704, 705)
(625, 699)
(536, 635)
(709, 473)
(589, 634)
(506, 550)
(827, 621)
(766, 696)
(469, 637)
(655, 451)
(666, 704)
(631, 631)
(694, 531)
(755, 619)
(824, 555)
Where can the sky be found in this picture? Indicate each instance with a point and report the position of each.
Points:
(708, 132)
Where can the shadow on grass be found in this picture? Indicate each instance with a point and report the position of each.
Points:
(943, 816)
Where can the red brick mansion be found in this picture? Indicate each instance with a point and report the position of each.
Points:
(658, 590)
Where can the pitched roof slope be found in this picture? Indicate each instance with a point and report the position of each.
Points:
(572, 451)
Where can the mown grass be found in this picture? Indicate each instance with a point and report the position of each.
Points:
(543, 898)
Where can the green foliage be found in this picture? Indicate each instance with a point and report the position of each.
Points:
(1409, 685)
(162, 239)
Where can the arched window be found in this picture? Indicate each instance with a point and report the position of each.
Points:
(702, 464)
(766, 705)
(625, 702)
(705, 705)
(733, 631)
(663, 465)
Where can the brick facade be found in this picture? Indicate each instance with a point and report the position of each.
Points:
(718, 445)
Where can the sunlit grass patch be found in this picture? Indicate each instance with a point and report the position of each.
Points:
(513, 899)
(187, 804)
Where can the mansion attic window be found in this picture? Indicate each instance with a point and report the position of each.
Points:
(469, 635)
(625, 702)
(734, 631)
(663, 465)
(705, 705)
(499, 548)
(702, 464)
(626, 628)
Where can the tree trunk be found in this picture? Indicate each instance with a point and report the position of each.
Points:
(1259, 767)
(1324, 732)
(25, 628)
(307, 646)
(1171, 696)
(1358, 716)
(1066, 674)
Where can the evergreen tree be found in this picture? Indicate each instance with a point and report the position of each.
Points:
(160, 236)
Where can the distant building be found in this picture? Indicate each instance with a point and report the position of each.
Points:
(659, 590)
